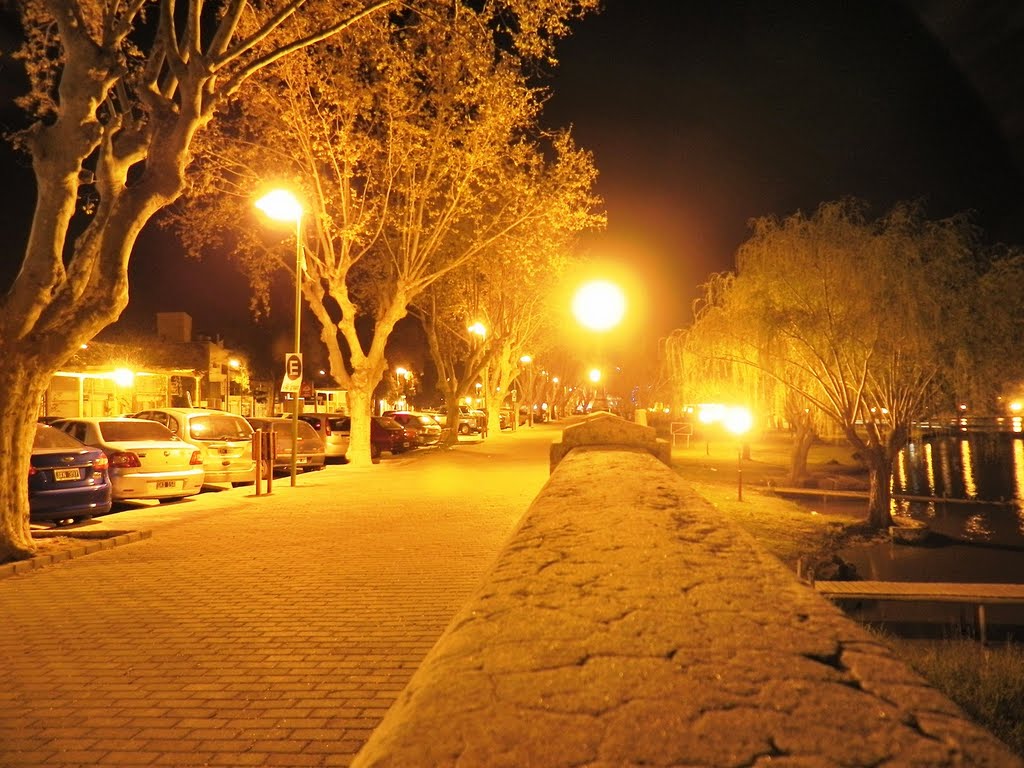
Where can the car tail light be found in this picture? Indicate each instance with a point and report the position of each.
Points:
(122, 459)
(101, 464)
(327, 429)
(197, 458)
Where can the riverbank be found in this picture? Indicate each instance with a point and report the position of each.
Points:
(987, 682)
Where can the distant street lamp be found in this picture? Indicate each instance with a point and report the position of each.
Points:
(738, 421)
(281, 205)
(527, 360)
(479, 330)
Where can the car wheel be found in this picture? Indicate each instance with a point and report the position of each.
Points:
(374, 451)
(463, 429)
(170, 499)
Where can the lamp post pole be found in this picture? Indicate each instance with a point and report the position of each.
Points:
(281, 205)
(298, 340)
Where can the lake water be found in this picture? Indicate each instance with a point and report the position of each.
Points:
(979, 541)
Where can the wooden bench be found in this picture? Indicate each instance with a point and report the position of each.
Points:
(926, 591)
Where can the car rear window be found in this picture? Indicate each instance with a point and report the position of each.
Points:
(48, 438)
(219, 426)
(141, 429)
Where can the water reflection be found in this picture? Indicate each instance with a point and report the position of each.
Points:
(982, 467)
(978, 533)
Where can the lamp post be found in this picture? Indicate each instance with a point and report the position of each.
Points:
(738, 421)
(233, 364)
(281, 205)
(479, 330)
(527, 360)
(600, 306)
(600, 401)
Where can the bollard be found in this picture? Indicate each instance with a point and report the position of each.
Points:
(257, 455)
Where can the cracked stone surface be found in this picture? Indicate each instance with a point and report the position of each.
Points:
(627, 622)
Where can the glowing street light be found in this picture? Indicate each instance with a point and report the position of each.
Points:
(479, 330)
(738, 421)
(282, 205)
(599, 305)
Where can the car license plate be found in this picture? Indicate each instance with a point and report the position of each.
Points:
(165, 484)
(67, 474)
(300, 459)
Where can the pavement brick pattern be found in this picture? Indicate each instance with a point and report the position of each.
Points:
(271, 631)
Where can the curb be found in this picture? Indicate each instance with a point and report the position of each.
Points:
(87, 547)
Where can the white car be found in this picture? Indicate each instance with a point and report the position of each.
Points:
(225, 440)
(145, 460)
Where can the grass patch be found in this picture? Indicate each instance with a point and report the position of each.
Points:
(987, 682)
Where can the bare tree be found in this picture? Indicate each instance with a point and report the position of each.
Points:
(114, 124)
(416, 153)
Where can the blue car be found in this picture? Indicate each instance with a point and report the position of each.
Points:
(67, 480)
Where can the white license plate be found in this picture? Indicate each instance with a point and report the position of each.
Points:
(300, 459)
(67, 474)
(165, 484)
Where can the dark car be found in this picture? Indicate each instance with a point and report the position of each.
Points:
(386, 434)
(425, 426)
(309, 455)
(67, 480)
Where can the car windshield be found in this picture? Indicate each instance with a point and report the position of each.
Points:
(219, 426)
(387, 422)
(50, 439)
(140, 429)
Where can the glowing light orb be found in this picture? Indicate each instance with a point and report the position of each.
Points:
(599, 305)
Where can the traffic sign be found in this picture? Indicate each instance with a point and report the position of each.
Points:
(292, 373)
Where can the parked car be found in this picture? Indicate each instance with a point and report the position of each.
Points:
(224, 438)
(471, 420)
(426, 427)
(309, 456)
(333, 429)
(145, 460)
(67, 480)
(386, 434)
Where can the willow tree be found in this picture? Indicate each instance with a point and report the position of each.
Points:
(118, 92)
(727, 355)
(861, 318)
(410, 141)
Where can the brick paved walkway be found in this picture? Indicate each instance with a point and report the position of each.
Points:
(270, 631)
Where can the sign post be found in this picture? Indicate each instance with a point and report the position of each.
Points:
(293, 383)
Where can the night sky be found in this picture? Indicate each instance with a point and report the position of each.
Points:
(702, 115)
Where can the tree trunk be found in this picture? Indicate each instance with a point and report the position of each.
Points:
(24, 385)
(880, 487)
(359, 437)
(803, 439)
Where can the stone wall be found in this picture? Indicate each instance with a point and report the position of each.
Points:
(628, 622)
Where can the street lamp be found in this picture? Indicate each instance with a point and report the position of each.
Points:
(599, 306)
(233, 364)
(281, 205)
(738, 421)
(479, 330)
